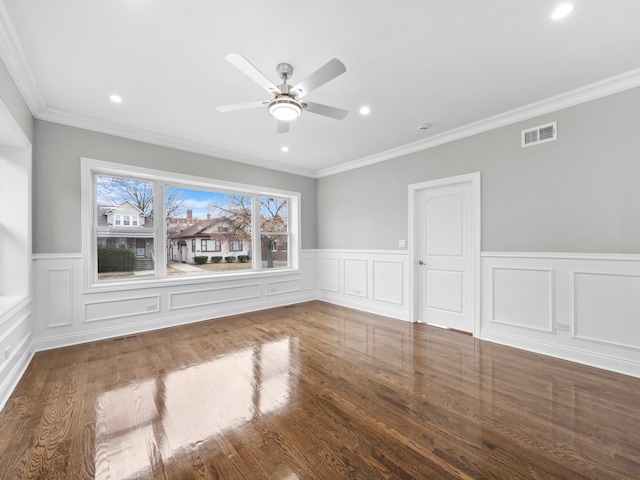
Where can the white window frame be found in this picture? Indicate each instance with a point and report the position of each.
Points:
(91, 167)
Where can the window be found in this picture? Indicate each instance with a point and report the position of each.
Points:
(274, 231)
(227, 216)
(206, 224)
(211, 246)
(117, 255)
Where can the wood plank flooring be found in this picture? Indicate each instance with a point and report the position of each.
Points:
(316, 391)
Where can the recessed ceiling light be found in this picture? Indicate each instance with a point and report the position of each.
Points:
(285, 149)
(562, 11)
(365, 110)
(115, 98)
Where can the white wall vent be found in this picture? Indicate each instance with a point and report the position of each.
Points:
(540, 134)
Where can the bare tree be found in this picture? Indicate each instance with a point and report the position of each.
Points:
(236, 216)
(273, 223)
(115, 190)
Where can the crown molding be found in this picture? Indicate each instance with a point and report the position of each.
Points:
(13, 56)
(144, 136)
(587, 93)
(16, 62)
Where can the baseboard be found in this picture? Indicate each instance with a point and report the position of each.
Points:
(135, 327)
(592, 359)
(17, 371)
(365, 306)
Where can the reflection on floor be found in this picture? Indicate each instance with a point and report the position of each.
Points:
(315, 391)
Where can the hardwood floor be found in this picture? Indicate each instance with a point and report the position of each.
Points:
(316, 391)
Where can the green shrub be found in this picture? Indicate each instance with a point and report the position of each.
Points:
(216, 259)
(230, 259)
(244, 258)
(200, 260)
(115, 259)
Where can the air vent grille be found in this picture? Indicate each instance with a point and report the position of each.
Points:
(540, 134)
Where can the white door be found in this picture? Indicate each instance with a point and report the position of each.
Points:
(446, 255)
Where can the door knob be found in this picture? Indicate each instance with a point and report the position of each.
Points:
(420, 262)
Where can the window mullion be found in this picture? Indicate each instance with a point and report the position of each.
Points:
(256, 236)
(159, 230)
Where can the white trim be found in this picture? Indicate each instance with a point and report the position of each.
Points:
(359, 251)
(551, 295)
(91, 167)
(140, 135)
(12, 305)
(17, 64)
(114, 331)
(475, 181)
(17, 372)
(621, 257)
(587, 93)
(591, 359)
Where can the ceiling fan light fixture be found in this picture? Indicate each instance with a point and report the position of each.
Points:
(285, 109)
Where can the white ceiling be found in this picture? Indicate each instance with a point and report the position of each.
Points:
(455, 65)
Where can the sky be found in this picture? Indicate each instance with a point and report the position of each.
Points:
(110, 192)
(198, 200)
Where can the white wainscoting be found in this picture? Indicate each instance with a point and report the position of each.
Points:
(584, 308)
(65, 314)
(371, 280)
(16, 349)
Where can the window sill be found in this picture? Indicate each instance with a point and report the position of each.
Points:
(10, 302)
(191, 280)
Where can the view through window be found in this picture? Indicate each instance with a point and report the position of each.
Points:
(125, 234)
(140, 223)
(217, 223)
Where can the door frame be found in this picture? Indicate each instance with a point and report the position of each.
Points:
(414, 190)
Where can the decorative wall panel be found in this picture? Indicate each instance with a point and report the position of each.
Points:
(523, 297)
(59, 296)
(606, 308)
(355, 277)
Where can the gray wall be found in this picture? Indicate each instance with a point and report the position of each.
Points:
(12, 98)
(580, 193)
(56, 180)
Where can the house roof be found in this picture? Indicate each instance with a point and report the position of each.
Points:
(194, 230)
(109, 209)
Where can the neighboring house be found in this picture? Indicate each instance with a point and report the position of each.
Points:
(126, 226)
(278, 250)
(208, 238)
(177, 224)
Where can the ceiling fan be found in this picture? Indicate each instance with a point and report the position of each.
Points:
(287, 104)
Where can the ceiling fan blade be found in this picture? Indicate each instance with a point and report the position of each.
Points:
(241, 106)
(329, 71)
(283, 127)
(326, 110)
(246, 67)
